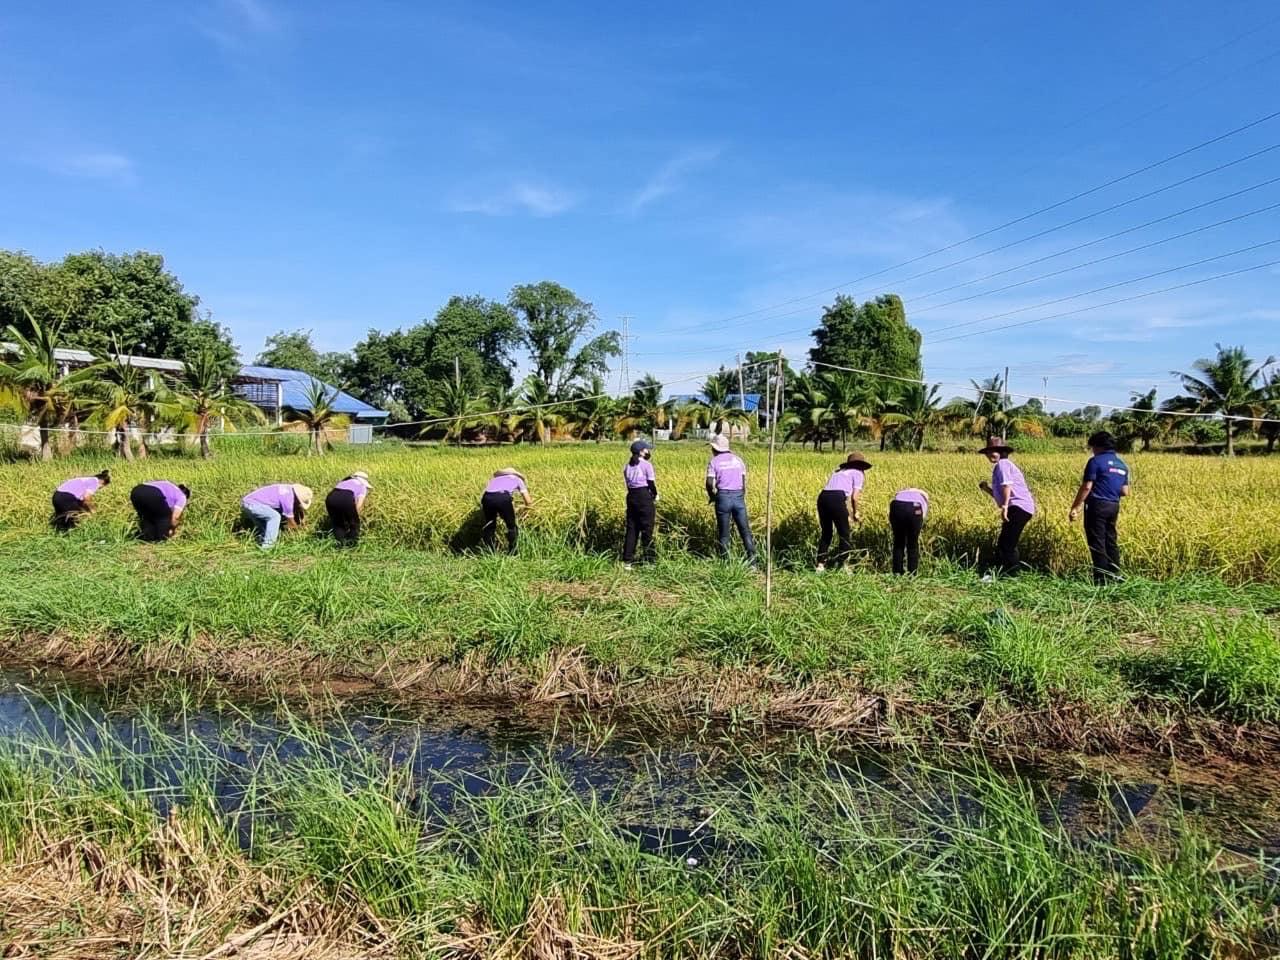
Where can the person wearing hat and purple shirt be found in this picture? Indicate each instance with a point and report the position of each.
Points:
(498, 501)
(837, 503)
(907, 511)
(1008, 488)
(276, 504)
(345, 506)
(159, 505)
(642, 496)
(74, 498)
(727, 489)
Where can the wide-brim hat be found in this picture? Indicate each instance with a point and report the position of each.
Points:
(361, 475)
(857, 461)
(996, 445)
(719, 443)
(508, 472)
(303, 495)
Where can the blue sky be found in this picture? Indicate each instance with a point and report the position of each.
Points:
(712, 170)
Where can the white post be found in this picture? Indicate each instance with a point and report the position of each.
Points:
(768, 501)
(279, 403)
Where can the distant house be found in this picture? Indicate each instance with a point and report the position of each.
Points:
(751, 402)
(276, 389)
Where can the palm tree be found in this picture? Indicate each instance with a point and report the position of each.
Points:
(1270, 428)
(845, 403)
(595, 411)
(1231, 385)
(645, 410)
(808, 417)
(203, 393)
(1142, 422)
(318, 414)
(125, 395)
(916, 410)
(534, 415)
(503, 403)
(453, 399)
(33, 385)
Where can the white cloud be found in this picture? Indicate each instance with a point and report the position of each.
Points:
(670, 177)
(522, 196)
(96, 165)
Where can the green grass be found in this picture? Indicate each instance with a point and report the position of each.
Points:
(827, 866)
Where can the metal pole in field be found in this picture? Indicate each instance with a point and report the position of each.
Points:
(742, 395)
(1004, 407)
(768, 497)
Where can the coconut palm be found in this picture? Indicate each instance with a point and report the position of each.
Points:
(808, 417)
(33, 384)
(1270, 427)
(594, 411)
(125, 396)
(644, 411)
(1143, 422)
(534, 414)
(452, 399)
(845, 403)
(203, 392)
(916, 410)
(1231, 385)
(319, 414)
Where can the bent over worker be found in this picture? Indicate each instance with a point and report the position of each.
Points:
(345, 506)
(837, 503)
(278, 504)
(498, 501)
(727, 489)
(159, 505)
(74, 498)
(1106, 479)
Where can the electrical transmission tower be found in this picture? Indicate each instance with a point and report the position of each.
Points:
(624, 371)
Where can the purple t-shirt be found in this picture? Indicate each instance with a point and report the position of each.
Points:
(846, 481)
(353, 485)
(916, 496)
(728, 470)
(80, 487)
(174, 497)
(278, 496)
(641, 475)
(1006, 473)
(506, 484)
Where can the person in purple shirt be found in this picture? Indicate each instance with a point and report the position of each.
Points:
(159, 505)
(837, 503)
(907, 511)
(727, 489)
(345, 506)
(498, 501)
(642, 499)
(267, 508)
(1008, 488)
(74, 498)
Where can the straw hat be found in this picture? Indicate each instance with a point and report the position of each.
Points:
(720, 443)
(361, 475)
(996, 445)
(857, 461)
(508, 472)
(303, 495)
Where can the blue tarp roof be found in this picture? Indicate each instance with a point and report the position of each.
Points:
(294, 384)
(750, 401)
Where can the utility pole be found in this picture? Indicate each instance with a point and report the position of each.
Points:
(457, 373)
(1045, 399)
(624, 371)
(1004, 408)
(768, 503)
(742, 395)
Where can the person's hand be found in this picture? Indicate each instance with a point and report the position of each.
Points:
(1004, 512)
(1073, 513)
(857, 517)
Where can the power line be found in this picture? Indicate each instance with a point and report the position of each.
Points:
(1021, 219)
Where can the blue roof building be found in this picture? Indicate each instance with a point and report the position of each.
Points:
(276, 389)
(750, 401)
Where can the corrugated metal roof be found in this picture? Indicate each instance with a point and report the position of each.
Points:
(294, 384)
(750, 401)
(67, 355)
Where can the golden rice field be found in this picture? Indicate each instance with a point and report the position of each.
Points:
(1187, 514)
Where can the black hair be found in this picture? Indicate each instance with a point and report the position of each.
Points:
(104, 476)
(635, 458)
(186, 491)
(1102, 440)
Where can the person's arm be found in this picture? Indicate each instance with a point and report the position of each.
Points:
(1124, 491)
(1086, 487)
(175, 516)
(360, 502)
(854, 512)
(87, 500)
(711, 488)
(1006, 494)
(528, 500)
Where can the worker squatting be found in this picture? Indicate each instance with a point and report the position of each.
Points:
(266, 511)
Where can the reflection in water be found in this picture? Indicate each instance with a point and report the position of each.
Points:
(666, 788)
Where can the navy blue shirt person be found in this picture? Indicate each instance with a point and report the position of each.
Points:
(1105, 481)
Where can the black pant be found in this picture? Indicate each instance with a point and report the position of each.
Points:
(493, 506)
(1100, 534)
(641, 512)
(1007, 545)
(343, 517)
(155, 517)
(833, 516)
(906, 520)
(67, 510)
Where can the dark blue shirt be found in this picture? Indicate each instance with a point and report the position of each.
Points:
(1108, 473)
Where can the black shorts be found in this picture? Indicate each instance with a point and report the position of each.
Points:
(155, 516)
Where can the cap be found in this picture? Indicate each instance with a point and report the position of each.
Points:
(640, 446)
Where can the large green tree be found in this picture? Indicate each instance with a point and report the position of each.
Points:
(293, 350)
(554, 323)
(403, 369)
(874, 336)
(96, 297)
